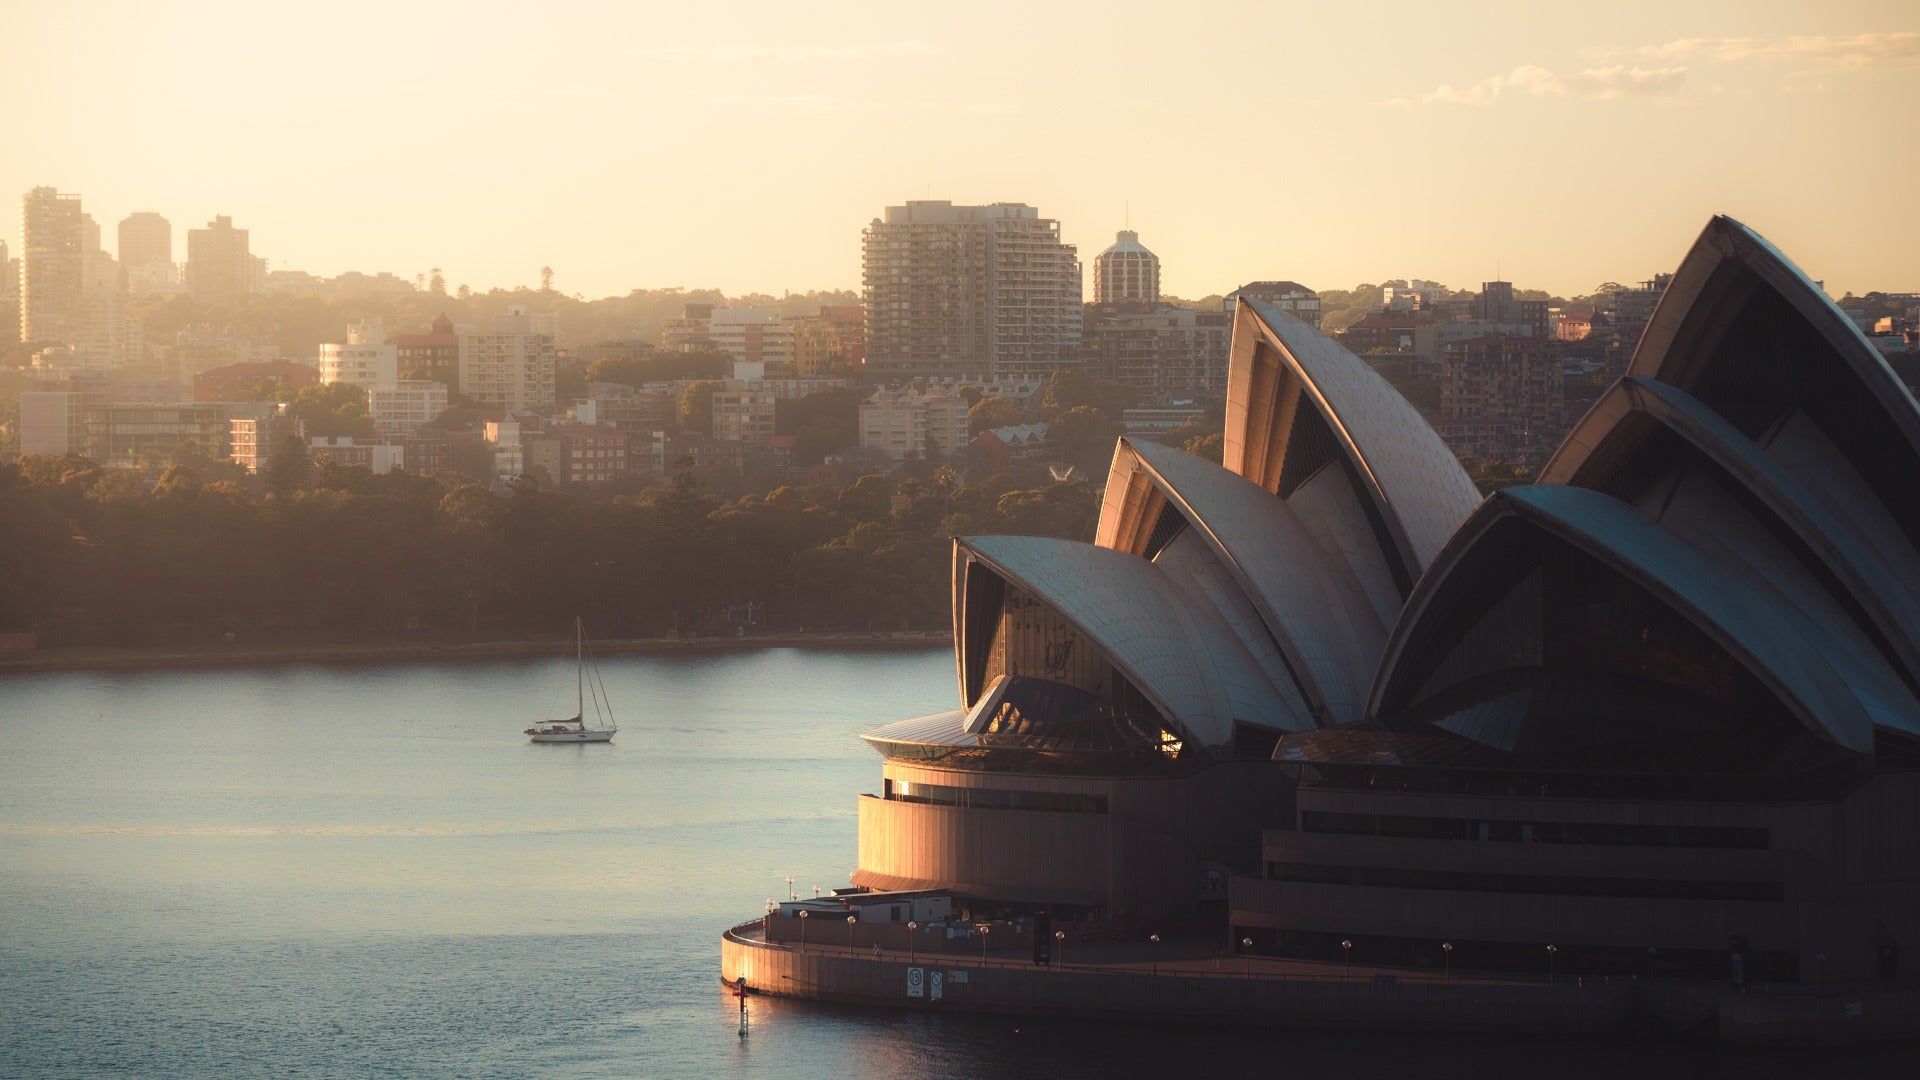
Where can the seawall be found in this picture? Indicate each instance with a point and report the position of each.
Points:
(1123, 994)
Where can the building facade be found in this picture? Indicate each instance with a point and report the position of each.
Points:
(969, 291)
(432, 355)
(509, 367)
(366, 359)
(906, 422)
(403, 407)
(52, 267)
(1159, 350)
(254, 438)
(1126, 272)
(146, 252)
(220, 268)
(1291, 297)
(742, 415)
(1517, 385)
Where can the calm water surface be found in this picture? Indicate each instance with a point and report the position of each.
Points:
(321, 871)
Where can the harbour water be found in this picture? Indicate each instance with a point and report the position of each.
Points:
(368, 871)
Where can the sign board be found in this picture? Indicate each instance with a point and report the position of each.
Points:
(916, 982)
(933, 986)
(956, 976)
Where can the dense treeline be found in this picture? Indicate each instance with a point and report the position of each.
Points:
(98, 556)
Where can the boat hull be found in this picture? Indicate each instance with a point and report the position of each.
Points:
(572, 736)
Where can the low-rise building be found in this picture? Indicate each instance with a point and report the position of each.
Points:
(380, 457)
(403, 407)
(1289, 296)
(433, 355)
(365, 359)
(591, 454)
(904, 422)
(744, 416)
(255, 438)
(124, 435)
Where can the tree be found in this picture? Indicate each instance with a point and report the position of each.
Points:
(546, 279)
(1071, 389)
(1085, 437)
(332, 410)
(287, 469)
(437, 282)
(992, 413)
(696, 404)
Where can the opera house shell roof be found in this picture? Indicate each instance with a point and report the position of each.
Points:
(1723, 560)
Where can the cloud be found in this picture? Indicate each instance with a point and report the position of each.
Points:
(1901, 48)
(749, 51)
(1620, 81)
(826, 104)
(1614, 83)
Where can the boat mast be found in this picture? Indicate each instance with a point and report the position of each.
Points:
(579, 670)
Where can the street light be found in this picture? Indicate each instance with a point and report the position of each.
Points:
(850, 922)
(1060, 945)
(1551, 949)
(1346, 953)
(1246, 956)
(1446, 962)
(1155, 938)
(803, 929)
(913, 932)
(791, 895)
(984, 931)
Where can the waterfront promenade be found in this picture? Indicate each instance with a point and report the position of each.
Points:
(1191, 982)
(220, 655)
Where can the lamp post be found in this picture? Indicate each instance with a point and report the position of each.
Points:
(791, 895)
(1246, 956)
(1155, 938)
(913, 934)
(803, 929)
(1060, 945)
(1346, 958)
(850, 921)
(816, 892)
(1446, 962)
(1551, 949)
(984, 931)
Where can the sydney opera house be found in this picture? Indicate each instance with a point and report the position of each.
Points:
(1657, 710)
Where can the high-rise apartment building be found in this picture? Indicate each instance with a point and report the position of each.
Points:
(9, 296)
(509, 367)
(53, 239)
(220, 269)
(1126, 272)
(146, 253)
(971, 291)
(1161, 351)
(145, 237)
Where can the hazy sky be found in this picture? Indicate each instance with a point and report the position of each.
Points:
(744, 145)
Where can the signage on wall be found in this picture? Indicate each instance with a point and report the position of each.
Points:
(933, 986)
(916, 982)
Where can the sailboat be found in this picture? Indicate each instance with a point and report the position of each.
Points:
(576, 729)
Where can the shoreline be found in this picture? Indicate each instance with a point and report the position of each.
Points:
(96, 658)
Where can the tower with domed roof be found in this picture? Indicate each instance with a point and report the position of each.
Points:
(1126, 272)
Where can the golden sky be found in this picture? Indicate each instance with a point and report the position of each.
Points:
(743, 145)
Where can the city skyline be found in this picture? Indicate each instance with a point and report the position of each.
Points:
(1551, 149)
